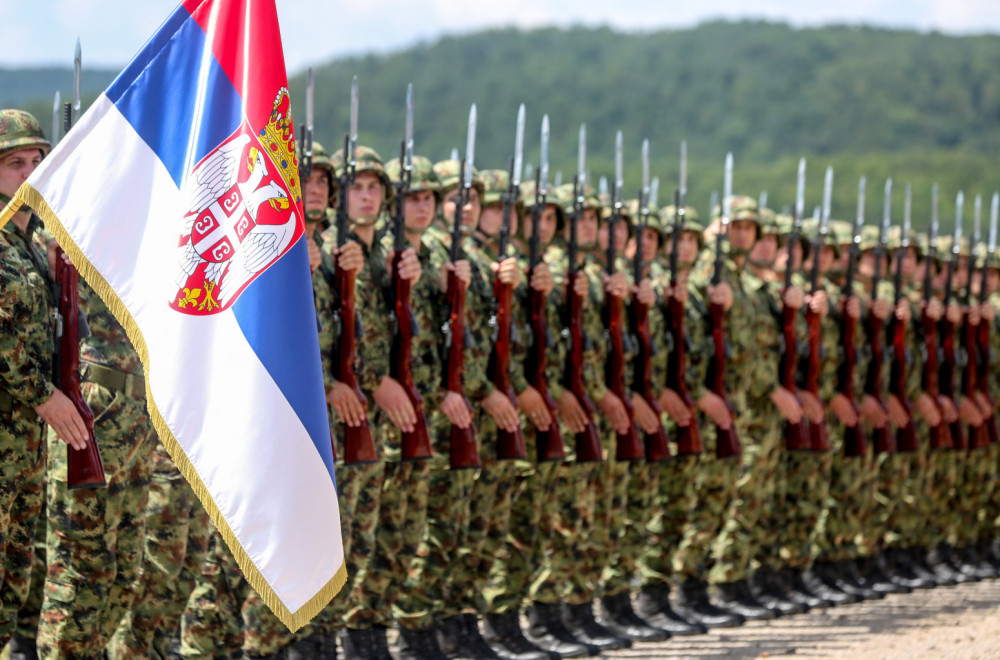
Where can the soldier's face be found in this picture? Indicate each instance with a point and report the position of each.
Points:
(418, 210)
(15, 168)
(317, 190)
(742, 234)
(364, 198)
(586, 227)
(548, 219)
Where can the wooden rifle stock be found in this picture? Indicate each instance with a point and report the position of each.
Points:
(510, 444)
(688, 437)
(819, 438)
(416, 444)
(548, 443)
(796, 434)
(588, 442)
(657, 444)
(855, 443)
(85, 469)
(727, 443)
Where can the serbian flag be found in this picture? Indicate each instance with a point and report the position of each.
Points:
(177, 197)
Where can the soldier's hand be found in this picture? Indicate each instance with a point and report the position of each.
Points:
(675, 407)
(853, 307)
(897, 413)
(614, 410)
(873, 412)
(714, 406)
(844, 410)
(954, 312)
(409, 265)
(581, 285)
(616, 285)
(533, 406)
(350, 257)
(969, 412)
(456, 410)
(392, 399)
(881, 308)
(793, 297)
(315, 256)
(345, 402)
(508, 271)
(948, 410)
(903, 311)
(811, 406)
(788, 404)
(541, 278)
(934, 309)
(818, 303)
(987, 311)
(927, 409)
(499, 407)
(644, 292)
(60, 413)
(720, 294)
(645, 416)
(571, 412)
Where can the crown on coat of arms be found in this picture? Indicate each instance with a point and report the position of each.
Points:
(279, 141)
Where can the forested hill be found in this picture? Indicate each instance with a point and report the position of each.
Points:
(919, 107)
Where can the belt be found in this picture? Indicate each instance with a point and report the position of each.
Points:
(8, 402)
(130, 385)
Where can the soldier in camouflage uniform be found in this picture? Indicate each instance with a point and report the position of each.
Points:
(28, 397)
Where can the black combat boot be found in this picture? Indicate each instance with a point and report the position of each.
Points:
(503, 633)
(23, 648)
(736, 597)
(547, 630)
(580, 621)
(618, 616)
(357, 644)
(310, 648)
(694, 605)
(773, 594)
(418, 645)
(653, 605)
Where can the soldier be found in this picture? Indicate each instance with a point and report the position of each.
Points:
(28, 398)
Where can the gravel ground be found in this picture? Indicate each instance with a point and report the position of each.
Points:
(961, 622)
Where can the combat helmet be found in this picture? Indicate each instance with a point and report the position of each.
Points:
(20, 130)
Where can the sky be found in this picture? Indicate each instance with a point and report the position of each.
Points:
(43, 32)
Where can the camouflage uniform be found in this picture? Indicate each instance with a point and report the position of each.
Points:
(95, 537)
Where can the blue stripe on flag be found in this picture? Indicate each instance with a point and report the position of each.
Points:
(272, 312)
(161, 95)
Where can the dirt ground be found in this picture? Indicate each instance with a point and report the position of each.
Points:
(960, 622)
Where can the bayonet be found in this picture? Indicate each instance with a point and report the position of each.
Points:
(543, 166)
(518, 147)
(353, 145)
(408, 164)
(581, 157)
(470, 148)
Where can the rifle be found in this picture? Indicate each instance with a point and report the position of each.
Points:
(855, 443)
(906, 436)
(875, 333)
(688, 437)
(727, 443)
(358, 444)
(628, 445)
(940, 435)
(510, 444)
(978, 435)
(983, 352)
(548, 443)
(946, 329)
(796, 434)
(819, 437)
(657, 444)
(416, 444)
(464, 449)
(85, 468)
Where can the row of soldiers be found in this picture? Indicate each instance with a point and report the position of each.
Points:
(451, 555)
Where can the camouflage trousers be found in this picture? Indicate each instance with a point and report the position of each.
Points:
(676, 484)
(95, 537)
(740, 540)
(849, 507)
(641, 480)
(22, 466)
(803, 491)
(212, 624)
(489, 518)
(176, 542)
(532, 509)
(717, 488)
